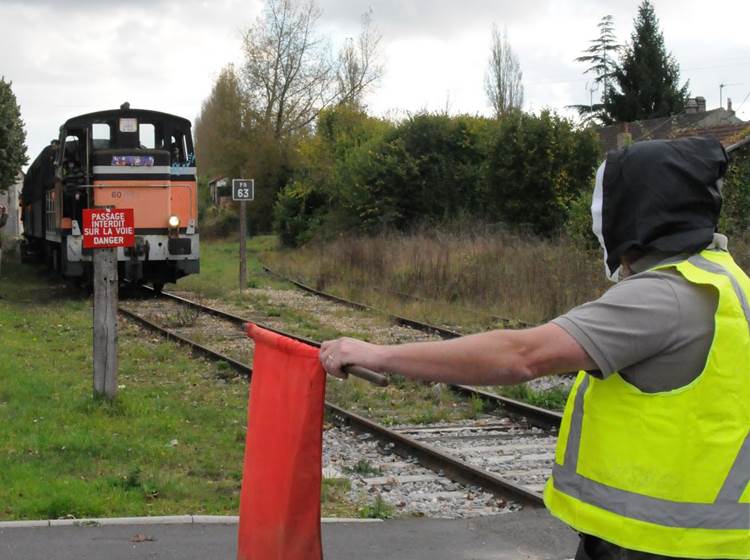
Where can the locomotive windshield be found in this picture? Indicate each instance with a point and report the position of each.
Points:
(129, 130)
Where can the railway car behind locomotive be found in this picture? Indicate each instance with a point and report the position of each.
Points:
(126, 158)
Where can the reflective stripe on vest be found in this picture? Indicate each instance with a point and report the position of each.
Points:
(725, 513)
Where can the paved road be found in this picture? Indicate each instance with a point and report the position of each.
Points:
(525, 535)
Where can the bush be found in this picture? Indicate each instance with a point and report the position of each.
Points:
(579, 223)
(219, 221)
(362, 174)
(537, 168)
(735, 214)
(321, 197)
(427, 169)
(297, 212)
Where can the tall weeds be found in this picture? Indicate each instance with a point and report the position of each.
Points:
(462, 275)
(454, 274)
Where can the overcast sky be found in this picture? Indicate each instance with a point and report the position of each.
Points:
(67, 57)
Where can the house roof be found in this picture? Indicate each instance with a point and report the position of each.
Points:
(717, 123)
(728, 134)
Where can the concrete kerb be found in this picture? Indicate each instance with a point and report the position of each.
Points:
(155, 520)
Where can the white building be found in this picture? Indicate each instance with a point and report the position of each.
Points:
(13, 228)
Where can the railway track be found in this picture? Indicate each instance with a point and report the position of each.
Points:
(440, 449)
(538, 416)
(397, 319)
(543, 418)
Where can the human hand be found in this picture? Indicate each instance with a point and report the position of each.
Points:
(336, 354)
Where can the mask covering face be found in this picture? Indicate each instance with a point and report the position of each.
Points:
(597, 204)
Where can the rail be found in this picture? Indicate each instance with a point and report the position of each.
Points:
(426, 455)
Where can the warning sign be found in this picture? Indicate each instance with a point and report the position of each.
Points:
(105, 229)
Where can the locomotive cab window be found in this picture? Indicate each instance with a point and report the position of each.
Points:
(101, 136)
(147, 136)
(128, 124)
(177, 149)
(71, 153)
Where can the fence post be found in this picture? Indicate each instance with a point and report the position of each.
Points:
(105, 323)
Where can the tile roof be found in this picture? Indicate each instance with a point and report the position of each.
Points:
(717, 123)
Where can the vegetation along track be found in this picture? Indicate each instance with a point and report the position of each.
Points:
(521, 450)
(538, 416)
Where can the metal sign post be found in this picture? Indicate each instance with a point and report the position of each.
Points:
(104, 230)
(243, 190)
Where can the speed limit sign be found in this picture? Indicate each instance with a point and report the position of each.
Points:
(243, 189)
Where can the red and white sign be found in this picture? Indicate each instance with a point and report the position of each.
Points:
(105, 229)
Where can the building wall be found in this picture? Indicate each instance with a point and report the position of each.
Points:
(9, 199)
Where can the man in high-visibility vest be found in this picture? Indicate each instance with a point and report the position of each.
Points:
(653, 456)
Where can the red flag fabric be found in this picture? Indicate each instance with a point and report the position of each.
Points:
(280, 499)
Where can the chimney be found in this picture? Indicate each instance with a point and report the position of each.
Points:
(729, 105)
(701, 101)
(624, 139)
(691, 106)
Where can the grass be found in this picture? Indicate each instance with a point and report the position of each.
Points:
(378, 509)
(476, 279)
(402, 402)
(552, 399)
(171, 443)
(363, 467)
(405, 402)
(334, 496)
(219, 276)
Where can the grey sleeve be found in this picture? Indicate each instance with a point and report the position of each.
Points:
(633, 321)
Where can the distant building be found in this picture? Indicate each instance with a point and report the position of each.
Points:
(10, 199)
(719, 123)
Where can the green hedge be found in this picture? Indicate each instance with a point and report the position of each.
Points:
(363, 174)
(735, 217)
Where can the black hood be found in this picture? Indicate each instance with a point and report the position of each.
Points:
(659, 195)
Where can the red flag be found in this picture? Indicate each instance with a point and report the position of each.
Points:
(280, 499)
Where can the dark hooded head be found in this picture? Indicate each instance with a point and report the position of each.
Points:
(659, 195)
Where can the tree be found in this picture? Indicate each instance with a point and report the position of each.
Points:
(602, 64)
(221, 129)
(647, 76)
(289, 72)
(358, 65)
(503, 80)
(12, 137)
(537, 167)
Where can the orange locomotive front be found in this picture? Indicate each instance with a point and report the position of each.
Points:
(126, 158)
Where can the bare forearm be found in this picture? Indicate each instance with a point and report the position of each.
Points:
(490, 358)
(501, 357)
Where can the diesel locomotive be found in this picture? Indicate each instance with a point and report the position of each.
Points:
(123, 158)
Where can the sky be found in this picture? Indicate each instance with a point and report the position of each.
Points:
(68, 57)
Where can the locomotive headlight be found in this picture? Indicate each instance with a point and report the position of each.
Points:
(174, 222)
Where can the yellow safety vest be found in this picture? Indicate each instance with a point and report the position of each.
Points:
(666, 473)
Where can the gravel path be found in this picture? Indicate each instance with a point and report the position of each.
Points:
(403, 484)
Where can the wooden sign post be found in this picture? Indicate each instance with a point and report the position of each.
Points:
(103, 231)
(243, 190)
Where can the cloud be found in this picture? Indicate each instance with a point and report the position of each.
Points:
(67, 57)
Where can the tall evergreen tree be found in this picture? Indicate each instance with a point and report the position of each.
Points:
(12, 137)
(600, 56)
(647, 77)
